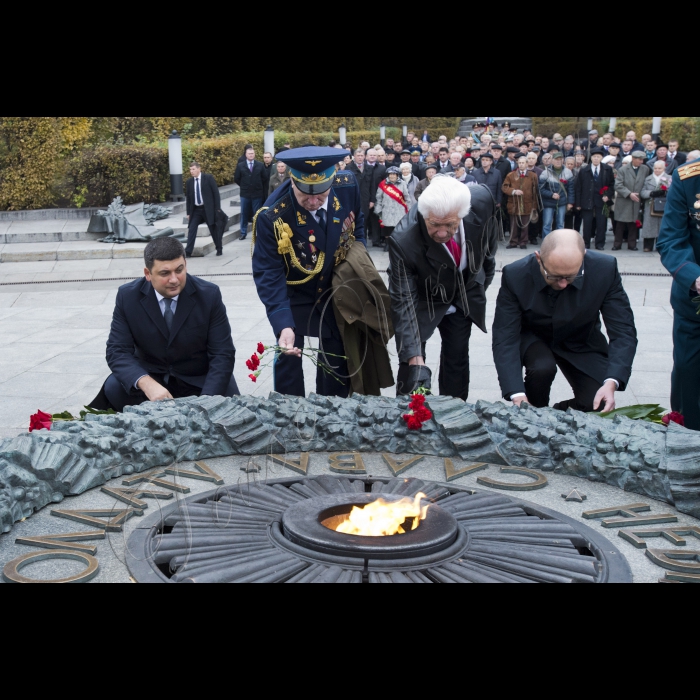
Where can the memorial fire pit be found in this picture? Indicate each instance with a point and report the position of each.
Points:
(296, 531)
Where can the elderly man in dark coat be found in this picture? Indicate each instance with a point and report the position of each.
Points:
(628, 205)
(442, 262)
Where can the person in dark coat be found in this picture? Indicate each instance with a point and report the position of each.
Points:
(442, 262)
(499, 162)
(679, 247)
(203, 203)
(487, 175)
(548, 315)
(595, 188)
(251, 177)
(170, 336)
(365, 176)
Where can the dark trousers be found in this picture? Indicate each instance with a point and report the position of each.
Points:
(387, 232)
(632, 232)
(573, 220)
(249, 208)
(601, 227)
(685, 382)
(519, 234)
(454, 378)
(118, 399)
(289, 373)
(649, 243)
(199, 217)
(375, 228)
(540, 371)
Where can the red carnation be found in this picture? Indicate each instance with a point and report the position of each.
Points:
(604, 191)
(255, 361)
(261, 349)
(254, 379)
(249, 365)
(664, 188)
(674, 417)
(564, 182)
(423, 414)
(418, 401)
(40, 421)
(638, 223)
(413, 422)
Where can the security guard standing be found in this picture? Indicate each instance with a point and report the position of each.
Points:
(679, 246)
(300, 235)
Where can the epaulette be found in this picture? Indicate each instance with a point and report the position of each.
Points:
(344, 178)
(690, 170)
(281, 206)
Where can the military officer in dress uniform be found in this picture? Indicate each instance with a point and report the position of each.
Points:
(300, 235)
(679, 246)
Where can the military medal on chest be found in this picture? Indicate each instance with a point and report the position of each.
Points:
(697, 211)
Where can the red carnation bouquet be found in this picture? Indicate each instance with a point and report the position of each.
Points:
(606, 207)
(419, 414)
(638, 223)
(256, 362)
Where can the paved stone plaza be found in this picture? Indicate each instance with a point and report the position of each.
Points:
(54, 322)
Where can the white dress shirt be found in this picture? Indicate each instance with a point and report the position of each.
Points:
(324, 206)
(161, 304)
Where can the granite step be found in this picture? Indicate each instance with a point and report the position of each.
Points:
(90, 249)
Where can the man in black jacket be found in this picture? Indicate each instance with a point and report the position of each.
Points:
(203, 203)
(364, 175)
(548, 316)
(595, 188)
(170, 336)
(250, 177)
(442, 262)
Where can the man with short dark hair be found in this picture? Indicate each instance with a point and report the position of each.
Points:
(675, 154)
(170, 336)
(250, 177)
(444, 162)
(268, 162)
(203, 204)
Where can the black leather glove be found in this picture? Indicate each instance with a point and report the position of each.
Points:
(418, 376)
(658, 193)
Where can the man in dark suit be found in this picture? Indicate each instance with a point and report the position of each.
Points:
(675, 154)
(591, 181)
(548, 316)
(250, 177)
(203, 203)
(441, 265)
(170, 336)
(364, 174)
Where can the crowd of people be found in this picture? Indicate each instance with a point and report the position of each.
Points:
(594, 185)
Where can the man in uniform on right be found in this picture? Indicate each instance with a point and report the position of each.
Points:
(679, 246)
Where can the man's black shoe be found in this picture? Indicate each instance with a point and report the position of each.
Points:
(600, 247)
(219, 253)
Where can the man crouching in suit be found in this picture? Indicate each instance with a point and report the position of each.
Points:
(170, 336)
(548, 316)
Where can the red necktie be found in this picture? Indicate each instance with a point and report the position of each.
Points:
(456, 251)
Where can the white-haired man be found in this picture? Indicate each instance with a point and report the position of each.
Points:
(442, 262)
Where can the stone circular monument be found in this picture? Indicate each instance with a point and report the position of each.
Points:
(275, 533)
